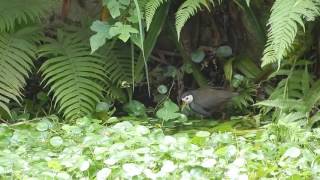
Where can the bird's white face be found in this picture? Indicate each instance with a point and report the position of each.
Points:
(187, 99)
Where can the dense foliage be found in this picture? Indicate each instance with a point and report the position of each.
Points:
(87, 149)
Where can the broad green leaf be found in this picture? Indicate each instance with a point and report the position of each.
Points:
(168, 111)
(292, 152)
(56, 141)
(42, 126)
(55, 165)
(168, 166)
(132, 169)
(102, 33)
(135, 108)
(208, 163)
(203, 134)
(84, 166)
(103, 174)
(228, 69)
(224, 51)
(198, 56)
(122, 30)
(162, 89)
(103, 107)
(113, 6)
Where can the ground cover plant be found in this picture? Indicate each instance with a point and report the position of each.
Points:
(159, 89)
(46, 149)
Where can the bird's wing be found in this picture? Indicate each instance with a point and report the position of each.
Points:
(210, 98)
(199, 109)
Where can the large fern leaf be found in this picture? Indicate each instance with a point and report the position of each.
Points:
(119, 65)
(118, 68)
(14, 12)
(16, 60)
(150, 9)
(188, 9)
(74, 76)
(283, 23)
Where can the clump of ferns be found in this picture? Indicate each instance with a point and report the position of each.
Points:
(292, 102)
(288, 128)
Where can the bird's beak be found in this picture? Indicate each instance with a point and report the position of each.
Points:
(184, 104)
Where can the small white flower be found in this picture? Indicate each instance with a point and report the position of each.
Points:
(103, 174)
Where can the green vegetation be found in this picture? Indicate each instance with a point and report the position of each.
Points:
(91, 89)
(86, 149)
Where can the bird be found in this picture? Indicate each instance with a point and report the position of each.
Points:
(207, 100)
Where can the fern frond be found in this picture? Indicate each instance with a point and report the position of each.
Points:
(118, 65)
(150, 9)
(190, 8)
(285, 104)
(313, 96)
(16, 61)
(15, 12)
(289, 131)
(74, 76)
(118, 69)
(286, 16)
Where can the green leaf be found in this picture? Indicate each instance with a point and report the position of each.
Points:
(135, 108)
(42, 126)
(84, 166)
(55, 165)
(228, 69)
(168, 111)
(197, 56)
(56, 141)
(75, 77)
(187, 67)
(223, 51)
(122, 30)
(292, 152)
(162, 89)
(125, 2)
(102, 33)
(103, 173)
(132, 169)
(203, 134)
(114, 7)
(103, 107)
(248, 2)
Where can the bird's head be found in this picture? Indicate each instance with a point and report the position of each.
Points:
(186, 99)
